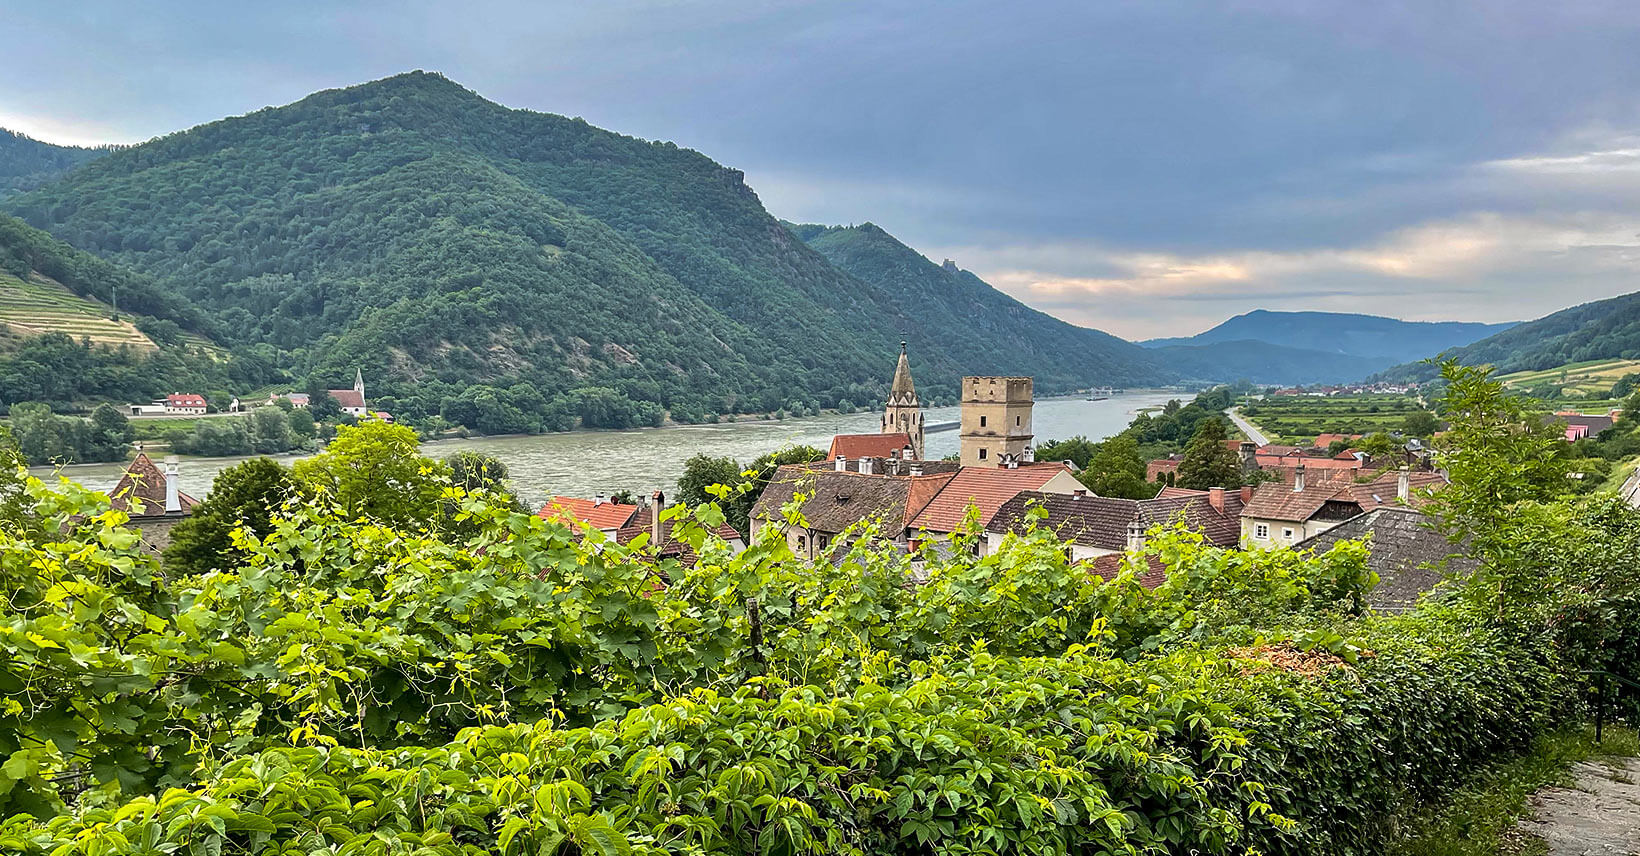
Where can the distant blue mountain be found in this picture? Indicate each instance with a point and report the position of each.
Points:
(1310, 347)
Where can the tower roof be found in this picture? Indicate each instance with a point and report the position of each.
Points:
(902, 388)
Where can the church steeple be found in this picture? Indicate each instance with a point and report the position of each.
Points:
(903, 414)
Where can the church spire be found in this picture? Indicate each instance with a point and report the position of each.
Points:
(902, 391)
(903, 415)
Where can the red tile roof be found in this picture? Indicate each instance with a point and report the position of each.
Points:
(1322, 441)
(184, 399)
(144, 481)
(347, 397)
(643, 522)
(856, 446)
(984, 487)
(572, 509)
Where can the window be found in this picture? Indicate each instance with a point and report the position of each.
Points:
(1261, 531)
(822, 541)
(982, 454)
(1287, 533)
(1016, 420)
(802, 543)
(982, 422)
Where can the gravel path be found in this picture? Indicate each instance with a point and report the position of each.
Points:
(1599, 816)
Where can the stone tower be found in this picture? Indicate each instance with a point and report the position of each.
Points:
(903, 414)
(996, 420)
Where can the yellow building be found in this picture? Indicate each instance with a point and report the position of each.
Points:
(996, 420)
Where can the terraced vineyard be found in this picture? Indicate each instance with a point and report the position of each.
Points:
(40, 305)
(1591, 379)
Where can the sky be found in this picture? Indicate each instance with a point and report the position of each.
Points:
(1146, 168)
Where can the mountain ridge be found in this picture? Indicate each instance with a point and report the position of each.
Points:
(1600, 329)
(443, 242)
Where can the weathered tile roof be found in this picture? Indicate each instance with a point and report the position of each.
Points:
(1278, 500)
(838, 500)
(144, 481)
(986, 488)
(1109, 565)
(642, 523)
(1408, 555)
(347, 397)
(598, 515)
(1102, 521)
(854, 446)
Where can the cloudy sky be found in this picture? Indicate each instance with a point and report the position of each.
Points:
(1149, 168)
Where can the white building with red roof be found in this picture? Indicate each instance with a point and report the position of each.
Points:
(185, 403)
(352, 400)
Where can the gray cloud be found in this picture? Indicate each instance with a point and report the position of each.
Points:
(1143, 144)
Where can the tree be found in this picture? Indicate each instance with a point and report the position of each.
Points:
(270, 431)
(110, 434)
(1378, 445)
(1420, 423)
(375, 470)
(473, 471)
(322, 406)
(1079, 450)
(1208, 461)
(246, 494)
(301, 424)
(1118, 470)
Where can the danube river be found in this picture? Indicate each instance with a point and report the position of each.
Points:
(584, 463)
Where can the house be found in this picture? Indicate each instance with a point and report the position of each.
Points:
(1579, 426)
(598, 513)
(858, 446)
(1095, 526)
(185, 403)
(153, 499)
(647, 521)
(839, 498)
(298, 400)
(987, 489)
(1408, 555)
(1281, 514)
(351, 401)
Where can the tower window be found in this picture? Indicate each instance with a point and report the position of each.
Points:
(982, 454)
(1016, 420)
(982, 422)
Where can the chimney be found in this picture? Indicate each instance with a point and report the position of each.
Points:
(173, 494)
(908, 453)
(916, 469)
(598, 500)
(864, 466)
(1030, 454)
(1078, 493)
(1246, 494)
(1215, 498)
(1135, 536)
(1249, 456)
(1403, 485)
(894, 454)
(842, 463)
(657, 502)
(1298, 479)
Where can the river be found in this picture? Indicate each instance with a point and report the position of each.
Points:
(584, 463)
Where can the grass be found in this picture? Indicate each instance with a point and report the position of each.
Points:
(40, 305)
(1479, 819)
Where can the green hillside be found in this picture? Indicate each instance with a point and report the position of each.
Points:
(927, 301)
(27, 163)
(476, 259)
(1602, 330)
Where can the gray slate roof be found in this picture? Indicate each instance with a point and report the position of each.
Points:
(1408, 555)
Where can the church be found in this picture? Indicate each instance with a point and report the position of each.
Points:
(902, 434)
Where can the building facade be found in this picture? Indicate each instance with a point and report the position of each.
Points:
(903, 413)
(996, 420)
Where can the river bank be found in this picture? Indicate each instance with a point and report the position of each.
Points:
(583, 463)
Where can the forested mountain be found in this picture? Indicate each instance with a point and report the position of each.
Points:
(26, 163)
(928, 301)
(1604, 329)
(61, 341)
(480, 260)
(1262, 362)
(1341, 333)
